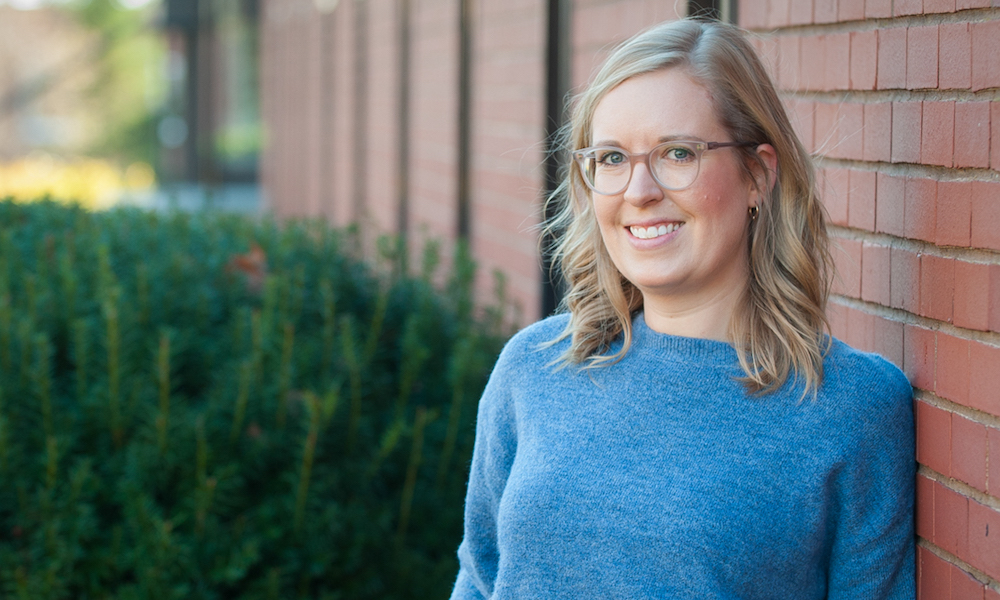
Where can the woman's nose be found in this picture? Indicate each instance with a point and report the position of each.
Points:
(642, 188)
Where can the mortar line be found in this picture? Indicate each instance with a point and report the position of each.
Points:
(901, 316)
(901, 169)
(982, 256)
(946, 556)
(959, 487)
(972, 15)
(893, 95)
(973, 414)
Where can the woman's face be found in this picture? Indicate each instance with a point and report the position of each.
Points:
(703, 254)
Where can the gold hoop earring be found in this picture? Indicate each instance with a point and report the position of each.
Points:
(754, 211)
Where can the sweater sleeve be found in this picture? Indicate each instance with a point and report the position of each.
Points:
(873, 549)
(495, 446)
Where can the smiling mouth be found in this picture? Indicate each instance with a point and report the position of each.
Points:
(648, 233)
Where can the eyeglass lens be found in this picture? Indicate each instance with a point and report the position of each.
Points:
(609, 170)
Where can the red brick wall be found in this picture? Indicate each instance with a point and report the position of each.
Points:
(900, 101)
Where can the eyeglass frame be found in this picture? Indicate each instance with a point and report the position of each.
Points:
(699, 149)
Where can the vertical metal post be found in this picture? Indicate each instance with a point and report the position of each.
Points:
(360, 151)
(465, 26)
(557, 67)
(403, 144)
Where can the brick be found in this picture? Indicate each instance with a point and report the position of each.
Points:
(835, 195)
(825, 11)
(968, 451)
(802, 113)
(924, 506)
(890, 203)
(825, 130)
(777, 11)
(972, 134)
(837, 316)
(888, 338)
(993, 479)
(934, 438)
(861, 331)
(986, 215)
(937, 133)
(954, 213)
(984, 361)
(850, 131)
(952, 368)
(861, 200)
(753, 15)
(813, 62)
(972, 288)
(847, 261)
(838, 60)
(891, 58)
(984, 531)
(921, 57)
(851, 10)
(906, 118)
(964, 4)
(995, 136)
(878, 9)
(789, 61)
(767, 50)
(920, 357)
(939, 6)
(994, 309)
(920, 211)
(991, 595)
(951, 521)
(907, 7)
(934, 580)
(877, 138)
(904, 280)
(864, 59)
(800, 12)
(954, 56)
(985, 50)
(964, 587)
(875, 273)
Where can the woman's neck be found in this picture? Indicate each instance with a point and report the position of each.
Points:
(704, 317)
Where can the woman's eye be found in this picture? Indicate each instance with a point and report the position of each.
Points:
(611, 158)
(678, 153)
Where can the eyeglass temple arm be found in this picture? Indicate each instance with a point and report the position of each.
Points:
(714, 145)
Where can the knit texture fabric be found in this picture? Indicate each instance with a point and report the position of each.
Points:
(660, 477)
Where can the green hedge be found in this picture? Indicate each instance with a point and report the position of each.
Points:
(219, 407)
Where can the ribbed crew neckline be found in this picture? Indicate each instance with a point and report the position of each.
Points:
(680, 348)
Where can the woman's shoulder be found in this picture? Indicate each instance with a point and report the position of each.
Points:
(866, 380)
(536, 342)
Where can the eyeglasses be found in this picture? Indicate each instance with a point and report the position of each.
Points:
(674, 165)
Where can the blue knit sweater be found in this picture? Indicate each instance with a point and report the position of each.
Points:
(659, 478)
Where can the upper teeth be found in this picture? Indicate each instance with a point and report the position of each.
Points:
(648, 233)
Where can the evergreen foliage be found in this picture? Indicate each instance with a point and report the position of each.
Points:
(217, 407)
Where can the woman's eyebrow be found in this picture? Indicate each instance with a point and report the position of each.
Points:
(659, 140)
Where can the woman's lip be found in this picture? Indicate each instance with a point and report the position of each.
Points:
(647, 224)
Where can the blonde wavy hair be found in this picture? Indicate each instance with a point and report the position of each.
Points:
(779, 329)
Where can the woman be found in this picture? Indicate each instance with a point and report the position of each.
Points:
(687, 430)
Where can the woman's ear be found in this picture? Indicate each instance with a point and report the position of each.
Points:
(769, 159)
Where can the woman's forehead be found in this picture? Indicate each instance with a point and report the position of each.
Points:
(667, 103)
